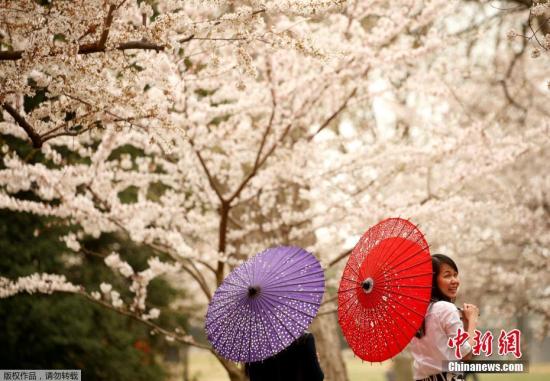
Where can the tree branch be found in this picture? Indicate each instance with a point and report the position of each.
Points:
(31, 133)
(272, 116)
(339, 258)
(138, 45)
(91, 48)
(222, 237)
(174, 335)
(193, 271)
(130, 120)
(211, 179)
(503, 82)
(66, 133)
(99, 46)
(259, 162)
(334, 310)
(334, 115)
(196, 275)
(106, 27)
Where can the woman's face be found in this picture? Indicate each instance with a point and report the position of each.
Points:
(448, 281)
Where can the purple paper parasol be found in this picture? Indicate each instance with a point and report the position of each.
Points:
(265, 304)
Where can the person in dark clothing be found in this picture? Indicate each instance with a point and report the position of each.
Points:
(298, 362)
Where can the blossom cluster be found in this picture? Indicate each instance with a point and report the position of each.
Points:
(41, 283)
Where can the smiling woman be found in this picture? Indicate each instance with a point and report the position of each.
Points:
(442, 323)
(446, 280)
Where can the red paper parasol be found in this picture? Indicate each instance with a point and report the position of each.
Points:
(385, 289)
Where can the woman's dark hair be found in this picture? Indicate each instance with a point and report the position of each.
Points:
(300, 341)
(437, 295)
(437, 261)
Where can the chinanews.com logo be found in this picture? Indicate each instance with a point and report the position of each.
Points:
(486, 366)
(509, 343)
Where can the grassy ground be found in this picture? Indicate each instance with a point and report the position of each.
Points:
(360, 371)
(205, 367)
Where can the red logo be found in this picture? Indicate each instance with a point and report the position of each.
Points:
(508, 342)
(457, 341)
(483, 344)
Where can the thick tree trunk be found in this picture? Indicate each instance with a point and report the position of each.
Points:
(240, 376)
(526, 336)
(327, 340)
(235, 372)
(185, 360)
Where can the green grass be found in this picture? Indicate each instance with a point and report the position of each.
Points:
(362, 371)
(205, 367)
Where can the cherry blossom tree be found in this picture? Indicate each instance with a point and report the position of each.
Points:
(208, 131)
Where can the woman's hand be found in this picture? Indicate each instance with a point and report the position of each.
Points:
(470, 312)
